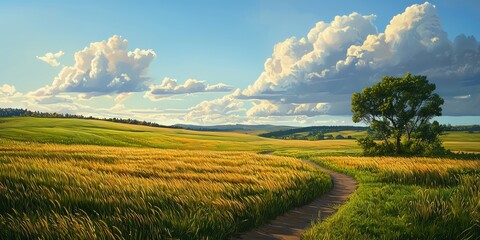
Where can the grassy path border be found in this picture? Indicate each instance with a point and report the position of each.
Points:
(292, 224)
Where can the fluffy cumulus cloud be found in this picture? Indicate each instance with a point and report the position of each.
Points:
(316, 74)
(170, 87)
(103, 68)
(225, 109)
(8, 95)
(51, 58)
(7, 90)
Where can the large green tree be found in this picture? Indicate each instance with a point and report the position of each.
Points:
(399, 109)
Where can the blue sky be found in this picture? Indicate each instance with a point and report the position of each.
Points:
(210, 42)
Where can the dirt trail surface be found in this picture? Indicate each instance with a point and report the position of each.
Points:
(293, 223)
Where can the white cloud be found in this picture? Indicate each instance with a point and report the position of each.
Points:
(338, 58)
(122, 97)
(51, 58)
(7, 90)
(265, 108)
(294, 61)
(9, 95)
(52, 99)
(170, 87)
(225, 109)
(103, 68)
(463, 97)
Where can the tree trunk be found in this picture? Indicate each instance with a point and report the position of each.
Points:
(398, 147)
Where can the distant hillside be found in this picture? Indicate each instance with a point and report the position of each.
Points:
(318, 133)
(71, 131)
(243, 128)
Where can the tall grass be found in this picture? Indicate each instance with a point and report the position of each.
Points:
(421, 171)
(52, 191)
(406, 198)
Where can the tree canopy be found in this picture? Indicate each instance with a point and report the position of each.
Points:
(399, 111)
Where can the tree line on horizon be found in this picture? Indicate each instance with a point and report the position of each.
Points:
(314, 133)
(19, 112)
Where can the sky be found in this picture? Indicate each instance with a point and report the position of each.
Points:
(226, 62)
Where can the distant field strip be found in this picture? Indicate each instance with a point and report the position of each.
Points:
(50, 191)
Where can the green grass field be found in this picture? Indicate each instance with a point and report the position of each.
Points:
(405, 198)
(102, 180)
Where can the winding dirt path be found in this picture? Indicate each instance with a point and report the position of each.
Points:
(293, 223)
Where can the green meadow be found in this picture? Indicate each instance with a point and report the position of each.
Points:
(405, 198)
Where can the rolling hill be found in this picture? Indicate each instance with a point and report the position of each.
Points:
(105, 133)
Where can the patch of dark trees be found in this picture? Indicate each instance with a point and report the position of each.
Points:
(463, 128)
(313, 133)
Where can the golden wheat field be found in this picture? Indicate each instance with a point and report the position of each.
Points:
(52, 191)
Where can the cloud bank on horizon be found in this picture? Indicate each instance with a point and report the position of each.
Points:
(306, 76)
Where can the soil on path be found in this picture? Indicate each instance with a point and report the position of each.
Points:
(293, 223)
